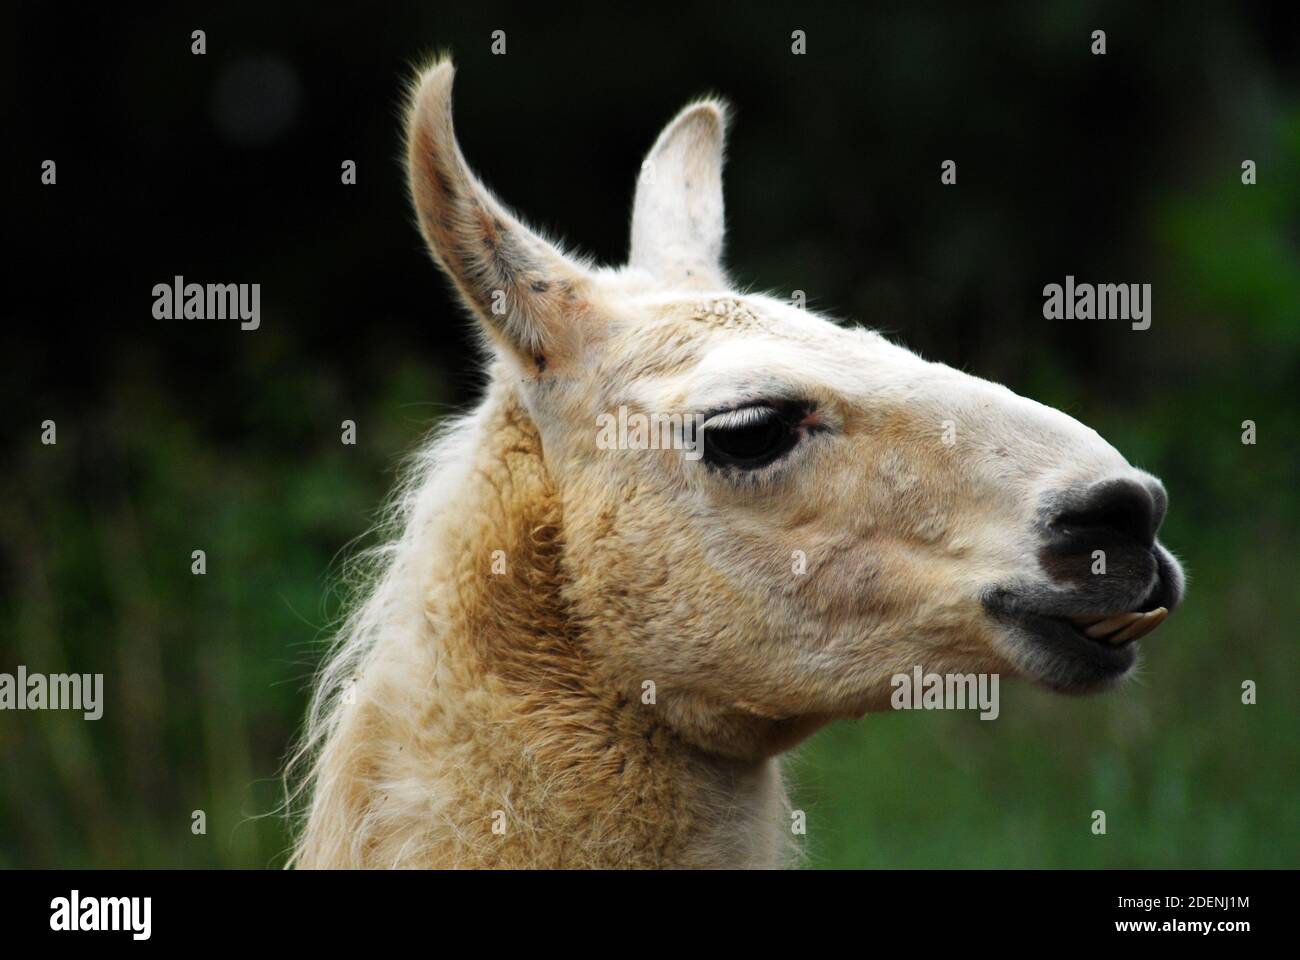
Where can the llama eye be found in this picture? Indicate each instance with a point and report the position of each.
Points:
(748, 438)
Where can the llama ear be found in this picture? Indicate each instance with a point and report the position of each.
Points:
(677, 219)
(525, 292)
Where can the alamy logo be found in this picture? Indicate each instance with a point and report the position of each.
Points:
(949, 691)
(1103, 301)
(655, 431)
(55, 691)
(179, 300)
(102, 913)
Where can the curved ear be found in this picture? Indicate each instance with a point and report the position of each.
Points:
(527, 295)
(677, 220)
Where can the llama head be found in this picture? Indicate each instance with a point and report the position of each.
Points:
(847, 512)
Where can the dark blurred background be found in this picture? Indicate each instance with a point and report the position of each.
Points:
(180, 435)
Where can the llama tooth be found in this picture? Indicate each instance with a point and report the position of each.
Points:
(1140, 627)
(1111, 624)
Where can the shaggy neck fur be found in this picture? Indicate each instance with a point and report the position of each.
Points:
(478, 732)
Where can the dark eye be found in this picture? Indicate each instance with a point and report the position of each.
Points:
(750, 437)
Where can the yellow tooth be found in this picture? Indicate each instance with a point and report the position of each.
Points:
(1111, 624)
(1141, 627)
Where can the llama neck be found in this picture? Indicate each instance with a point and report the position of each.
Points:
(510, 750)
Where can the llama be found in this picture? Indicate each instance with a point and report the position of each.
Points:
(572, 656)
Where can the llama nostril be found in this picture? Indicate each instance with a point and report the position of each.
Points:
(1113, 509)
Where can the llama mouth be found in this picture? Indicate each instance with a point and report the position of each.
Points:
(1070, 651)
(1057, 653)
(1083, 640)
(1120, 629)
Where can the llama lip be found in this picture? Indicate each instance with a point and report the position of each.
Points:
(1051, 646)
(1054, 652)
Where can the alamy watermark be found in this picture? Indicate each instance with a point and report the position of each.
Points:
(1102, 301)
(653, 431)
(919, 690)
(55, 691)
(76, 913)
(179, 300)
